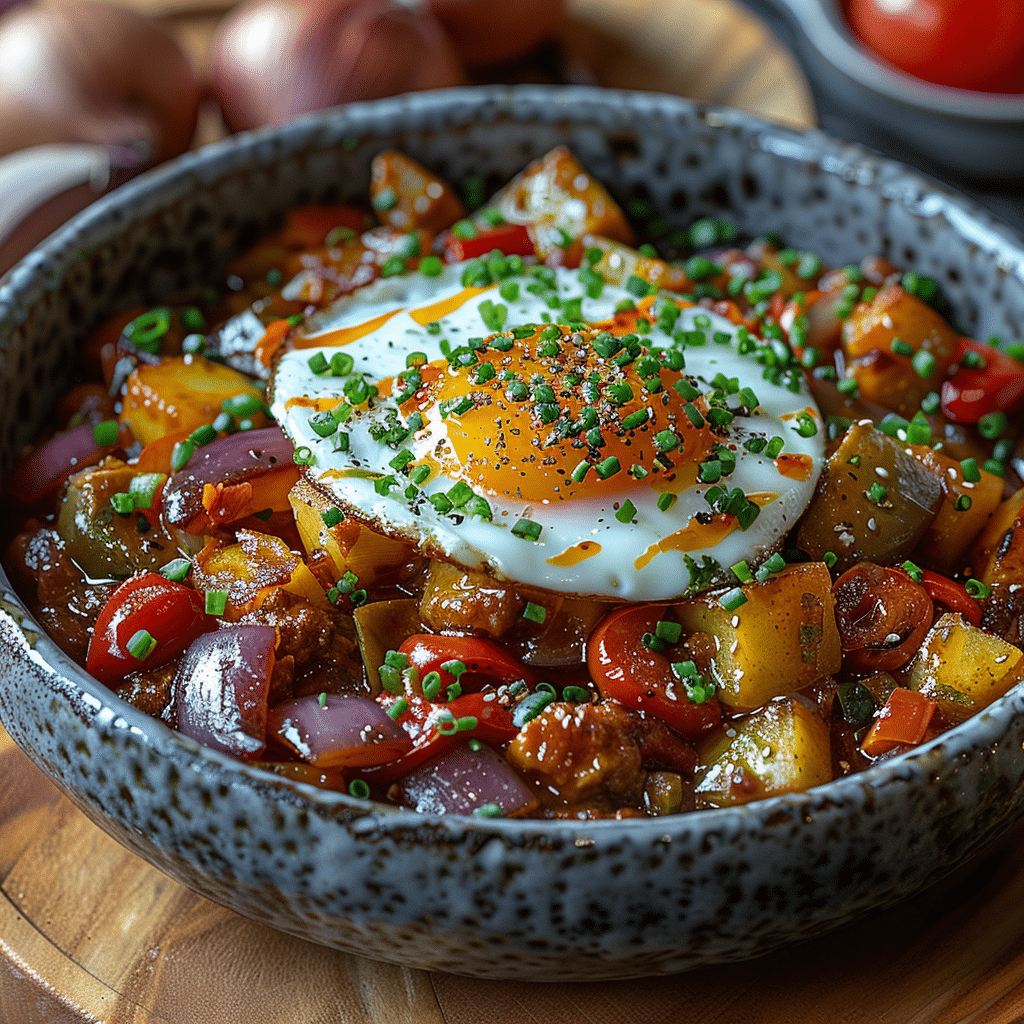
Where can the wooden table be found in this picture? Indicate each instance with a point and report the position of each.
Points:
(88, 932)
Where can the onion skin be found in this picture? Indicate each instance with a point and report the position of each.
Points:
(276, 59)
(94, 73)
(345, 731)
(485, 32)
(222, 685)
(463, 780)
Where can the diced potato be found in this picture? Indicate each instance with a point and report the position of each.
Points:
(350, 546)
(885, 376)
(104, 543)
(251, 570)
(998, 556)
(663, 793)
(181, 394)
(409, 197)
(873, 503)
(555, 194)
(782, 639)
(619, 262)
(953, 530)
(964, 669)
(381, 626)
(783, 747)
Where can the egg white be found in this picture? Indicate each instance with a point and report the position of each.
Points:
(623, 559)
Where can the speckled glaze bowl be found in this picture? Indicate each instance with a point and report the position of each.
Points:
(494, 898)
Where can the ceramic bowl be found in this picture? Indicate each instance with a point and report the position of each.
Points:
(542, 900)
(971, 139)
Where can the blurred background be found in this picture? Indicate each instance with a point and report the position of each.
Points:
(138, 81)
(93, 91)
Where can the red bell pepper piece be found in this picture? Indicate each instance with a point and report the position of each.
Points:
(511, 239)
(952, 594)
(996, 385)
(493, 725)
(903, 722)
(171, 613)
(485, 661)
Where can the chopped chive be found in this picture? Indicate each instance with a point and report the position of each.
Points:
(733, 599)
(914, 571)
(527, 529)
(431, 685)
(626, 513)
(141, 645)
(963, 503)
(877, 493)
(535, 612)
(331, 517)
(977, 589)
(993, 425)
(215, 602)
(181, 453)
(106, 434)
(608, 468)
(742, 572)
(303, 456)
(399, 708)
(488, 811)
(359, 788)
(666, 501)
(776, 563)
(670, 632)
(176, 570)
(969, 470)
(923, 363)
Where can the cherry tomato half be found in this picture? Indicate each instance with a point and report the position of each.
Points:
(171, 613)
(882, 615)
(624, 669)
(966, 44)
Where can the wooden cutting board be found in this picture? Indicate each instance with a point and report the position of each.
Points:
(89, 932)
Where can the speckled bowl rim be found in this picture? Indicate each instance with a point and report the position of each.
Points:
(43, 268)
(826, 30)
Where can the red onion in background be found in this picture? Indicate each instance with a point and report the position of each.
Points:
(275, 59)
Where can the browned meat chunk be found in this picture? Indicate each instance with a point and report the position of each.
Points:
(55, 589)
(593, 753)
(321, 647)
(467, 602)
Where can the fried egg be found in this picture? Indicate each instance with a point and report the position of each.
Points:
(633, 450)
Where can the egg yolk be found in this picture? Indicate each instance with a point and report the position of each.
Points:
(557, 413)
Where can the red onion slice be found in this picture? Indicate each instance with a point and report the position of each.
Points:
(222, 685)
(346, 730)
(45, 468)
(464, 780)
(228, 460)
